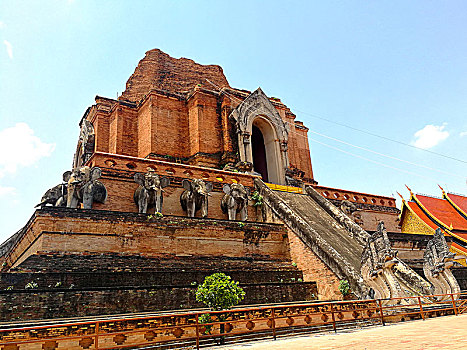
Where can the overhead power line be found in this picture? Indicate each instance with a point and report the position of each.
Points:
(387, 156)
(352, 145)
(372, 161)
(379, 136)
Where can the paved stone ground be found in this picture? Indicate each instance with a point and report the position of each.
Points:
(448, 332)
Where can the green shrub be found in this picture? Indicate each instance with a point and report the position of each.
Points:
(219, 292)
(257, 198)
(31, 285)
(344, 287)
(206, 318)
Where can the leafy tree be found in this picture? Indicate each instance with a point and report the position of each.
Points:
(219, 292)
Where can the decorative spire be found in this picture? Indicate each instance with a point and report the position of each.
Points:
(411, 193)
(402, 197)
(442, 190)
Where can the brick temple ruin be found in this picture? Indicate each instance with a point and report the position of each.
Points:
(182, 176)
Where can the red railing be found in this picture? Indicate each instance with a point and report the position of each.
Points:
(230, 325)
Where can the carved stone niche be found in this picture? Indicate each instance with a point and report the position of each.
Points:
(85, 147)
(377, 263)
(258, 111)
(437, 262)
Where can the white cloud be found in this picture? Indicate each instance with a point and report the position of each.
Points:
(9, 49)
(5, 191)
(19, 147)
(430, 136)
(2, 25)
(463, 133)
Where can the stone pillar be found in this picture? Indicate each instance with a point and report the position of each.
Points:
(246, 141)
(284, 155)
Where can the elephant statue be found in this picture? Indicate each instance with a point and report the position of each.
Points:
(57, 195)
(83, 187)
(149, 192)
(195, 196)
(235, 200)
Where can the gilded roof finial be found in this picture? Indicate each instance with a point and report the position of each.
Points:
(442, 190)
(411, 193)
(402, 197)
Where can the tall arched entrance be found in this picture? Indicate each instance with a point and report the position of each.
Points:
(265, 152)
(262, 137)
(260, 164)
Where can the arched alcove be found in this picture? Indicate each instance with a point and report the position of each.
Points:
(265, 150)
(258, 149)
(262, 134)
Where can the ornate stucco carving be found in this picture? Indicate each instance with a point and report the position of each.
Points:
(258, 104)
(257, 109)
(437, 263)
(413, 224)
(378, 261)
(351, 210)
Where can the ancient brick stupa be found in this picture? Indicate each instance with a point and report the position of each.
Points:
(180, 177)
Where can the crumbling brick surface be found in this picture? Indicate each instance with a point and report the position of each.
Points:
(101, 232)
(314, 269)
(41, 304)
(157, 70)
(170, 109)
(49, 271)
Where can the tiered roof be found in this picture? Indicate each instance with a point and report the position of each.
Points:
(448, 213)
(458, 202)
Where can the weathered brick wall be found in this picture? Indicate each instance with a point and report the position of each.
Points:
(122, 131)
(167, 133)
(144, 134)
(157, 70)
(371, 219)
(101, 123)
(298, 148)
(173, 111)
(209, 123)
(40, 304)
(411, 248)
(190, 130)
(314, 269)
(77, 230)
(169, 276)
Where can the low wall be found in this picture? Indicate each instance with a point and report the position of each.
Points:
(43, 304)
(82, 231)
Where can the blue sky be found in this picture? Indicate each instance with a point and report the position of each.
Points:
(393, 68)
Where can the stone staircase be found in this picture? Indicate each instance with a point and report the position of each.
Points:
(333, 237)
